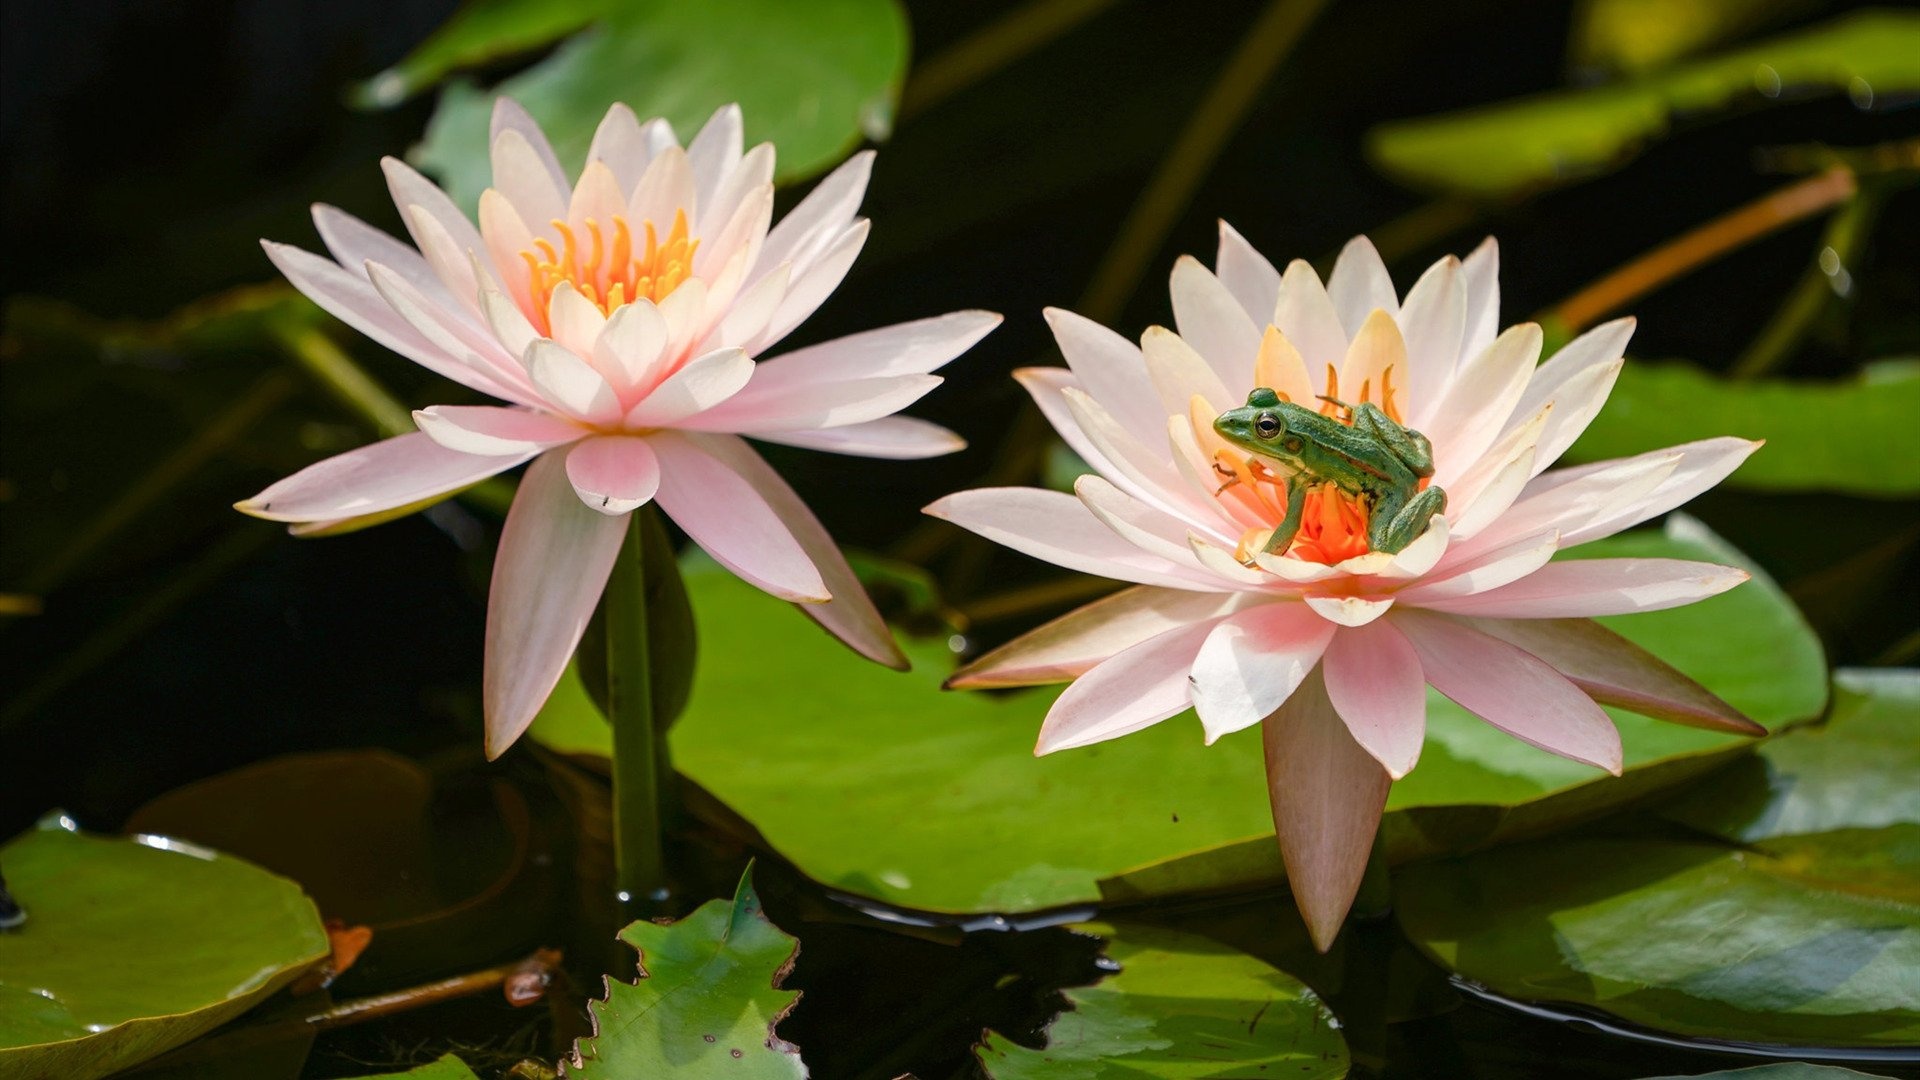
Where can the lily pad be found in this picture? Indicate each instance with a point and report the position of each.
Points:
(1843, 436)
(133, 947)
(1179, 1006)
(877, 784)
(814, 79)
(447, 1067)
(706, 1003)
(1551, 138)
(1780, 1070)
(1806, 932)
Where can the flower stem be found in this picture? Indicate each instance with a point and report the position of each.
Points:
(638, 751)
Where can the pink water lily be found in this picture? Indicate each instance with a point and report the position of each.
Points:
(621, 317)
(1327, 644)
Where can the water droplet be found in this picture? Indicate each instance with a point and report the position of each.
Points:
(1861, 92)
(1107, 964)
(1766, 80)
(957, 643)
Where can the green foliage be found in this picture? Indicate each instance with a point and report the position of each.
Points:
(706, 1003)
(1179, 1006)
(813, 79)
(1638, 36)
(447, 1067)
(876, 783)
(1806, 930)
(1551, 138)
(1782, 1070)
(132, 947)
(1841, 436)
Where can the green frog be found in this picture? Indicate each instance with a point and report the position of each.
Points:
(1373, 459)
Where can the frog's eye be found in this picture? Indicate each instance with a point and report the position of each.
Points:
(1267, 425)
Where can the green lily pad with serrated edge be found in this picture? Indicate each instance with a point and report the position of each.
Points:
(135, 946)
(1512, 146)
(1845, 436)
(706, 1003)
(814, 78)
(880, 784)
(1799, 924)
(1179, 1006)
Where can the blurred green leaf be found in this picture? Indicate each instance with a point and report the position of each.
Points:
(1178, 1006)
(814, 79)
(1780, 1070)
(1554, 137)
(1855, 436)
(132, 947)
(1638, 36)
(874, 782)
(706, 1003)
(448, 1067)
(1804, 937)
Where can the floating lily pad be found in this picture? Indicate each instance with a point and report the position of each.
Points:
(878, 784)
(133, 947)
(706, 1003)
(447, 1067)
(1179, 1006)
(814, 79)
(1806, 932)
(1782, 1070)
(1551, 138)
(1821, 436)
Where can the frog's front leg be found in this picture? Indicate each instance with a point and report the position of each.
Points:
(1289, 526)
(1393, 527)
(1408, 445)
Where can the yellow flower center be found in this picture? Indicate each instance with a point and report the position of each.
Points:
(609, 272)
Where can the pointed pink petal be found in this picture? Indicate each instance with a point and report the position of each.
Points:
(455, 333)
(749, 181)
(490, 430)
(714, 151)
(1252, 662)
(409, 188)
(731, 520)
(1572, 507)
(631, 348)
(1360, 285)
(1434, 321)
(1111, 369)
(1144, 470)
(1577, 380)
(900, 438)
(618, 141)
(1482, 396)
(1134, 689)
(1305, 314)
(1247, 274)
(814, 406)
(1497, 567)
(379, 476)
(850, 615)
(1058, 528)
(1178, 372)
(813, 283)
(1213, 322)
(1374, 681)
(354, 243)
(909, 348)
(509, 115)
(569, 384)
(523, 175)
(553, 562)
(1615, 671)
(1349, 610)
(1481, 272)
(1072, 644)
(1702, 465)
(1578, 588)
(826, 212)
(614, 474)
(1327, 794)
(1513, 690)
(1145, 527)
(664, 190)
(577, 322)
(704, 383)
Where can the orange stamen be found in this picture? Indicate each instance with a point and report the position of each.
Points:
(610, 276)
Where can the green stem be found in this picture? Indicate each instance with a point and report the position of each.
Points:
(638, 751)
(1828, 278)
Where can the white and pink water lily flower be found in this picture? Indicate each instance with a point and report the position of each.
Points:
(1329, 643)
(622, 319)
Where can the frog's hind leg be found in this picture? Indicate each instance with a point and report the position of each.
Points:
(1411, 447)
(1393, 529)
(1289, 526)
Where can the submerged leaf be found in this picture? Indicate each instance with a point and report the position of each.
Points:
(1179, 1006)
(1806, 931)
(706, 1003)
(1511, 146)
(135, 946)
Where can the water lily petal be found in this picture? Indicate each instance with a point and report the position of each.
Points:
(899, 438)
(1074, 643)
(1247, 275)
(703, 383)
(1579, 588)
(509, 115)
(614, 474)
(908, 348)
(409, 188)
(525, 178)
(813, 283)
(1374, 681)
(632, 346)
(850, 614)
(828, 209)
(1134, 689)
(1349, 610)
(1484, 393)
(620, 143)
(1058, 528)
(1496, 567)
(1702, 464)
(379, 476)
(1178, 372)
(1151, 530)
(814, 406)
(1512, 689)
(570, 384)
(1305, 314)
(1109, 367)
(1213, 322)
(1434, 320)
(577, 323)
(665, 189)
(714, 151)
(732, 519)
(554, 559)
(1360, 285)
(1481, 273)
(354, 243)
(1615, 671)
(1252, 661)
(1328, 794)
(1577, 379)
(492, 431)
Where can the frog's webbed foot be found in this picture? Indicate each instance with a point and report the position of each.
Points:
(1407, 525)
